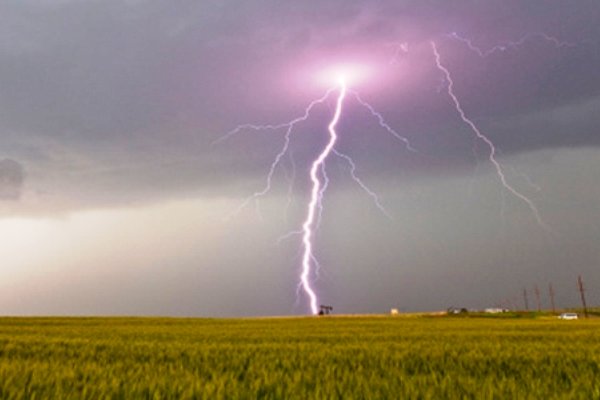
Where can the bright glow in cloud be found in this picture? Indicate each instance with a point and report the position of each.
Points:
(344, 74)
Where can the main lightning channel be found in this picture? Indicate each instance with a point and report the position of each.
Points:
(318, 175)
(315, 199)
(486, 140)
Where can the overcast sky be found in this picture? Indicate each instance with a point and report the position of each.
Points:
(114, 198)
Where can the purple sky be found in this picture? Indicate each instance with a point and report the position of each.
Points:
(114, 201)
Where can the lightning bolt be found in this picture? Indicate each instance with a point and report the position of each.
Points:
(479, 135)
(382, 122)
(360, 183)
(289, 126)
(321, 194)
(291, 180)
(509, 45)
(318, 176)
(315, 199)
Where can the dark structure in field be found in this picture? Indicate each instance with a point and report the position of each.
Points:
(325, 310)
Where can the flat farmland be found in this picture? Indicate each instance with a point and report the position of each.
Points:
(303, 358)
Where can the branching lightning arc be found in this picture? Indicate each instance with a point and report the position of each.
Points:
(485, 139)
(318, 175)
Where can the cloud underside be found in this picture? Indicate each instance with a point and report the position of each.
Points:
(113, 192)
(113, 103)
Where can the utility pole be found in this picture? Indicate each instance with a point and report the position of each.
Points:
(525, 299)
(581, 292)
(551, 292)
(537, 297)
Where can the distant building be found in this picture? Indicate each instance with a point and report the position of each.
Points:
(394, 311)
(456, 310)
(495, 310)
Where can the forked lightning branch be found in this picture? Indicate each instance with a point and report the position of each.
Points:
(340, 80)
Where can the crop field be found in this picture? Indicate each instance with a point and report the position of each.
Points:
(303, 358)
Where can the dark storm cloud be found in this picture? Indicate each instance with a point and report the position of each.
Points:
(116, 99)
(12, 176)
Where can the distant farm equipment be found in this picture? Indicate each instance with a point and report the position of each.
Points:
(325, 310)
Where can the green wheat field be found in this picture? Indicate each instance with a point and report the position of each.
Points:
(299, 358)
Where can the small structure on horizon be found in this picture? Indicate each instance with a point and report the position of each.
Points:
(495, 310)
(325, 310)
(457, 310)
(394, 311)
